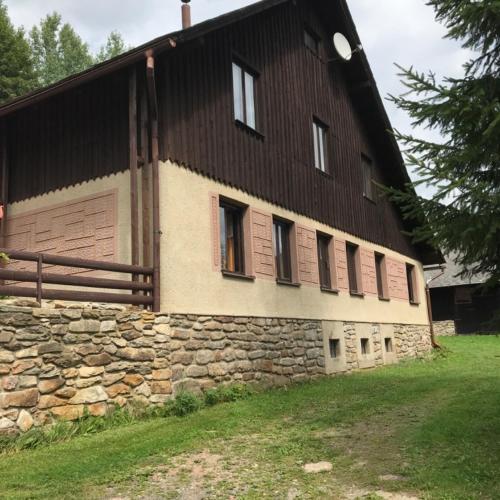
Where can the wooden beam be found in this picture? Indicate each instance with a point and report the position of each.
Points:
(153, 115)
(134, 202)
(4, 190)
(146, 181)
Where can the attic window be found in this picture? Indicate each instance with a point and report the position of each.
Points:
(244, 96)
(368, 186)
(311, 41)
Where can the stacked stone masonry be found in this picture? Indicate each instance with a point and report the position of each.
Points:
(445, 328)
(61, 362)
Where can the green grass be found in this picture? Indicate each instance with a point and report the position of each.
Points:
(435, 424)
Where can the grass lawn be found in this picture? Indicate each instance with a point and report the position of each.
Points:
(426, 429)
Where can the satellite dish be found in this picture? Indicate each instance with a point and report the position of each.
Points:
(342, 47)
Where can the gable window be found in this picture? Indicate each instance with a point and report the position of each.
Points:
(311, 41)
(353, 268)
(381, 273)
(281, 237)
(244, 95)
(410, 278)
(368, 186)
(320, 144)
(325, 275)
(231, 238)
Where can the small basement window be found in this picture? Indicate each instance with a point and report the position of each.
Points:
(365, 347)
(334, 348)
(388, 344)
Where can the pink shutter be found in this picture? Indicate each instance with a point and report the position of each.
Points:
(368, 273)
(215, 231)
(341, 264)
(307, 256)
(396, 277)
(262, 238)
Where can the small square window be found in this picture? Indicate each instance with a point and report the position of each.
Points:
(388, 344)
(365, 347)
(312, 41)
(231, 238)
(320, 145)
(334, 348)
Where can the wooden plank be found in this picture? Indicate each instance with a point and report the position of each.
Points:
(4, 169)
(134, 202)
(77, 296)
(60, 260)
(62, 279)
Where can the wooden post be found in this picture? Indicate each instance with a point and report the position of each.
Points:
(153, 115)
(39, 270)
(134, 205)
(146, 181)
(4, 193)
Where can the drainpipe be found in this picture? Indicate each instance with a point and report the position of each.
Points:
(442, 268)
(153, 127)
(186, 14)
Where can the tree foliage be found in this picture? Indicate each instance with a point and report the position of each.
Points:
(57, 50)
(465, 166)
(16, 66)
(115, 45)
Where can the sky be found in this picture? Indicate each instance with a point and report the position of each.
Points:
(392, 31)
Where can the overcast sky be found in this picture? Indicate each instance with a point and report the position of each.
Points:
(402, 31)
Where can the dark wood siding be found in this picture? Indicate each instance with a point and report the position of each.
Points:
(198, 129)
(76, 136)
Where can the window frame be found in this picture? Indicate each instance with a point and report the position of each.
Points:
(245, 70)
(367, 171)
(381, 276)
(310, 33)
(411, 281)
(354, 269)
(239, 251)
(331, 283)
(320, 164)
(287, 251)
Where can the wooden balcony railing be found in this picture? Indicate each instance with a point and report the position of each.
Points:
(141, 290)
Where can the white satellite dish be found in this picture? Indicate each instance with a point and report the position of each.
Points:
(342, 47)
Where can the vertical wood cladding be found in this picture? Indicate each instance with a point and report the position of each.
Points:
(79, 135)
(294, 85)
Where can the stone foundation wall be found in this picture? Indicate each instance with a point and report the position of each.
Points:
(61, 362)
(445, 328)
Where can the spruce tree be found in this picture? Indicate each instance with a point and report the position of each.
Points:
(16, 67)
(463, 215)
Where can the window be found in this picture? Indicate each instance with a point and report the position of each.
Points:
(388, 344)
(365, 346)
(231, 238)
(244, 96)
(368, 187)
(325, 275)
(380, 271)
(319, 136)
(352, 268)
(410, 278)
(312, 41)
(281, 236)
(334, 348)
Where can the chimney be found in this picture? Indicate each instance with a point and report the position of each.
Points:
(186, 14)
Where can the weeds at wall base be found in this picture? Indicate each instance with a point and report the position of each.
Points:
(185, 403)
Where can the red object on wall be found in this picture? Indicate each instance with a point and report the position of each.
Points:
(1, 212)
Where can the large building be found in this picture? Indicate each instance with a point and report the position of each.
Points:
(241, 159)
